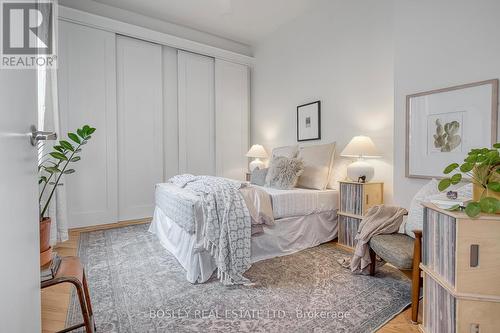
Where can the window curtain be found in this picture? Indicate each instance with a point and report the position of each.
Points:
(48, 120)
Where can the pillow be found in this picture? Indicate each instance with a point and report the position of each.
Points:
(429, 191)
(317, 165)
(286, 151)
(258, 176)
(284, 172)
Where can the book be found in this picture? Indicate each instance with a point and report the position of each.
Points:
(445, 203)
(49, 271)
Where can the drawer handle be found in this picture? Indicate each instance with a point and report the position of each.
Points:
(474, 255)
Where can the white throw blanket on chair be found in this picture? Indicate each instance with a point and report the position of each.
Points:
(378, 220)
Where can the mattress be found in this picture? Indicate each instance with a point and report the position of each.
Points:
(301, 202)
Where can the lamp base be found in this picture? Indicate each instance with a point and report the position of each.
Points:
(359, 169)
(256, 164)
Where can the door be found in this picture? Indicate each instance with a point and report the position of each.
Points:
(87, 95)
(19, 238)
(196, 114)
(140, 126)
(232, 105)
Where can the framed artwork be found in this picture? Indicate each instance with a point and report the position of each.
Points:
(309, 121)
(443, 125)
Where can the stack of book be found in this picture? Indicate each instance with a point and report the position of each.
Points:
(351, 198)
(440, 312)
(348, 230)
(49, 271)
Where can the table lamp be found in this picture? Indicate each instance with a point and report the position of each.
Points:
(360, 147)
(257, 152)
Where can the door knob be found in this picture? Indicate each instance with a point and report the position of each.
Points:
(41, 136)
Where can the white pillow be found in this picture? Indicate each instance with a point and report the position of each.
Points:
(286, 151)
(429, 191)
(317, 165)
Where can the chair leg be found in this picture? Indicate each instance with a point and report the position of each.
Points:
(416, 279)
(83, 307)
(373, 259)
(87, 299)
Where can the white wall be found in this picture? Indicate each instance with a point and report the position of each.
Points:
(341, 53)
(439, 44)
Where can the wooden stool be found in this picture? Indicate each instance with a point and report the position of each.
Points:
(71, 271)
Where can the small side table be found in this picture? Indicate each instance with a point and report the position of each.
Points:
(71, 271)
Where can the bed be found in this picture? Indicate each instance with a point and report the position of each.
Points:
(303, 218)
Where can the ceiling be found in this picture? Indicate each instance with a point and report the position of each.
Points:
(244, 21)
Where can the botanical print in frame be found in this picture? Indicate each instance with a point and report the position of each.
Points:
(309, 121)
(443, 125)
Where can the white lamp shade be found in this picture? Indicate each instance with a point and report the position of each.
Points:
(360, 146)
(257, 151)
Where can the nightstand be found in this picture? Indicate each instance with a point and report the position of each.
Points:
(354, 200)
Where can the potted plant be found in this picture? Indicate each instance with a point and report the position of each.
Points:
(51, 168)
(482, 165)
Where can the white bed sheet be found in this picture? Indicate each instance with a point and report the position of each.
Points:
(287, 236)
(300, 201)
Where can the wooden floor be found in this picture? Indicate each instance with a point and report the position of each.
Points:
(55, 300)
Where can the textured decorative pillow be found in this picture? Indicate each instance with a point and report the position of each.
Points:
(258, 176)
(286, 151)
(284, 172)
(317, 165)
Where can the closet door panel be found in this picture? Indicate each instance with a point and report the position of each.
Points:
(140, 124)
(171, 120)
(87, 95)
(196, 114)
(232, 105)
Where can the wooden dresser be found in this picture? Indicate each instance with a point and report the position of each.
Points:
(461, 272)
(354, 200)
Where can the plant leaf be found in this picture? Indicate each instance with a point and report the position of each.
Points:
(456, 178)
(58, 155)
(450, 168)
(489, 205)
(75, 159)
(80, 132)
(59, 149)
(494, 186)
(74, 137)
(466, 167)
(91, 130)
(454, 208)
(52, 170)
(496, 145)
(67, 145)
(444, 184)
(473, 209)
(69, 171)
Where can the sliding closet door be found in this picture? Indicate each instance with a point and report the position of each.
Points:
(196, 114)
(87, 95)
(232, 105)
(140, 137)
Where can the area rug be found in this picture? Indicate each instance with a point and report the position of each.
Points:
(137, 286)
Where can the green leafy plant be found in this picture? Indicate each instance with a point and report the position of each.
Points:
(57, 163)
(482, 166)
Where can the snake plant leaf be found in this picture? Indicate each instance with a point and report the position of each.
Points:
(69, 171)
(473, 209)
(456, 178)
(489, 205)
(494, 186)
(66, 145)
(75, 159)
(450, 168)
(59, 156)
(444, 184)
(74, 137)
(466, 167)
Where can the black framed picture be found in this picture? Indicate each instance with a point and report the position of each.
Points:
(309, 121)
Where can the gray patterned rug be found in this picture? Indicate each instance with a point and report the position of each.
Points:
(137, 286)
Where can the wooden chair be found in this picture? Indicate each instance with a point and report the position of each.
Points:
(403, 252)
(71, 271)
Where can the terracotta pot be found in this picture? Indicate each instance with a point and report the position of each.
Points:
(45, 248)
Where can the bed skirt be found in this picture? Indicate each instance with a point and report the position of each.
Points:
(287, 236)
